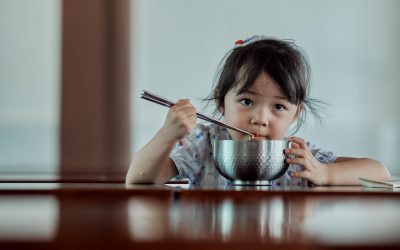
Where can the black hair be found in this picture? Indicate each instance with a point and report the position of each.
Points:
(282, 60)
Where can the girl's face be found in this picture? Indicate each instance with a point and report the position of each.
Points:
(263, 110)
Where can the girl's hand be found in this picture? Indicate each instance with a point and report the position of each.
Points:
(181, 119)
(314, 171)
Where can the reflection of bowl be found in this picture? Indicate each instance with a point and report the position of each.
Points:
(253, 162)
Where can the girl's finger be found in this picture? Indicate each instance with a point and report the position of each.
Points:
(188, 112)
(293, 151)
(294, 145)
(193, 119)
(181, 104)
(299, 161)
(301, 174)
(299, 141)
(184, 107)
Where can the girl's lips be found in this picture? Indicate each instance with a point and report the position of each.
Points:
(258, 137)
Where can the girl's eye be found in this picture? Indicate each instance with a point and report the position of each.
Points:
(279, 107)
(246, 102)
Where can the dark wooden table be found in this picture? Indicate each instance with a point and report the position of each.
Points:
(55, 215)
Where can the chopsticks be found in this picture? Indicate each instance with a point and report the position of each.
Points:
(167, 103)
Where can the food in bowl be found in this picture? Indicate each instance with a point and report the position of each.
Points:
(250, 162)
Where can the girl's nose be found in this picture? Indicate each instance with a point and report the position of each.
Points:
(260, 119)
(260, 123)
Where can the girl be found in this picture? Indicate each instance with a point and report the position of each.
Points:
(263, 88)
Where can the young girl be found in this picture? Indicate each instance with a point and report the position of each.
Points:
(263, 88)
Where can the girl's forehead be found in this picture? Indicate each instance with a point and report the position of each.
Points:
(263, 85)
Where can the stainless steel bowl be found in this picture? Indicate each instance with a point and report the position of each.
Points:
(252, 162)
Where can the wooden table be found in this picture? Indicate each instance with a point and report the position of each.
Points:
(111, 216)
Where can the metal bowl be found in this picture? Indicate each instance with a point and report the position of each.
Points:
(252, 162)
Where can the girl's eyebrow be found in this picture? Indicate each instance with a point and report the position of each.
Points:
(281, 97)
(251, 92)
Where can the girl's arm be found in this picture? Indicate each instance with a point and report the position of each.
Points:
(344, 171)
(152, 163)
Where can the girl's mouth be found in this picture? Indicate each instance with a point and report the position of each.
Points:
(257, 137)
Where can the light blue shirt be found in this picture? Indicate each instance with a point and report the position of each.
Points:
(194, 160)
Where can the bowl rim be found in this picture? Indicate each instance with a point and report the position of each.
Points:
(252, 141)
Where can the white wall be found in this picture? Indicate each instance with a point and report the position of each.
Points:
(353, 46)
(29, 85)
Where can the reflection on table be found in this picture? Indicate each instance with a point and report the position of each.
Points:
(336, 220)
(69, 216)
(28, 218)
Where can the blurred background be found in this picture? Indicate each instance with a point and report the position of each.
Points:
(175, 47)
(30, 53)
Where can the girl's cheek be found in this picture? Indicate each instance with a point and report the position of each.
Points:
(233, 119)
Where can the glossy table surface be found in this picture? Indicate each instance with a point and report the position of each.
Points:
(111, 215)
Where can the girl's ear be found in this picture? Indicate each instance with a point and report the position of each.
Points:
(220, 107)
(221, 110)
